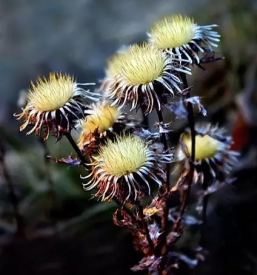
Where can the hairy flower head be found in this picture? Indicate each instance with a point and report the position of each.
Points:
(123, 157)
(136, 75)
(138, 65)
(125, 167)
(180, 37)
(100, 117)
(54, 104)
(173, 31)
(205, 146)
(212, 148)
(51, 94)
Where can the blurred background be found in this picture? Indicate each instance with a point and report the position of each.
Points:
(61, 230)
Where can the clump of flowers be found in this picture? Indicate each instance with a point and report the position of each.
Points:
(126, 162)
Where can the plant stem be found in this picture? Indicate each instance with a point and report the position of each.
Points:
(76, 149)
(190, 118)
(145, 121)
(166, 147)
(191, 122)
(146, 230)
(123, 207)
(164, 224)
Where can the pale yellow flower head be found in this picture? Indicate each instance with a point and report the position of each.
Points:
(138, 65)
(51, 94)
(205, 146)
(181, 38)
(173, 31)
(123, 157)
(53, 104)
(139, 75)
(212, 147)
(125, 167)
(101, 117)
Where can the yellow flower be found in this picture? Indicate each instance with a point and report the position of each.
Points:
(53, 104)
(100, 117)
(181, 37)
(173, 31)
(140, 75)
(205, 146)
(139, 65)
(212, 147)
(125, 167)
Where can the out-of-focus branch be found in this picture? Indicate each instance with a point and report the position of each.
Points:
(49, 180)
(20, 230)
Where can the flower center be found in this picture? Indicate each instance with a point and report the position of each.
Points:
(205, 146)
(125, 156)
(103, 118)
(51, 94)
(138, 65)
(173, 31)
